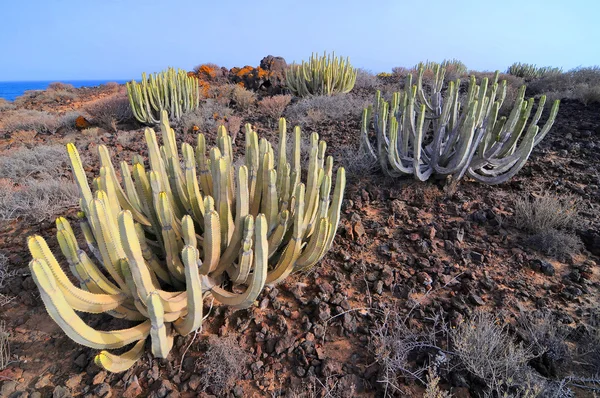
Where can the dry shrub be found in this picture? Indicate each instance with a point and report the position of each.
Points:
(580, 83)
(112, 86)
(244, 99)
(59, 86)
(546, 212)
(357, 162)
(24, 136)
(4, 346)
(110, 111)
(365, 80)
(233, 125)
(6, 105)
(274, 106)
(395, 343)
(126, 138)
(555, 243)
(37, 200)
(486, 350)
(222, 365)
(206, 117)
(44, 161)
(28, 119)
(433, 389)
(334, 108)
(223, 94)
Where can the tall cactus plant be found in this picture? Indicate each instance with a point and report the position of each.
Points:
(171, 90)
(178, 231)
(422, 133)
(326, 75)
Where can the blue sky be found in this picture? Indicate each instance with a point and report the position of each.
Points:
(119, 39)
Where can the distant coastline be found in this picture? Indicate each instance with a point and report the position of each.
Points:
(12, 90)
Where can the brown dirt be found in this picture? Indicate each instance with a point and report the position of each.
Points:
(398, 248)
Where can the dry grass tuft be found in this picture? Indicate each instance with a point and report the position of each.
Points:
(37, 200)
(44, 161)
(274, 106)
(222, 365)
(546, 212)
(110, 111)
(244, 99)
(335, 108)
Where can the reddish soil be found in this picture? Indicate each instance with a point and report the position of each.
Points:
(400, 247)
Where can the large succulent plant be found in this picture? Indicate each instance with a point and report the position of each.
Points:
(422, 133)
(180, 230)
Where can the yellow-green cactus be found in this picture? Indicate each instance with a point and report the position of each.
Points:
(172, 235)
(172, 90)
(326, 75)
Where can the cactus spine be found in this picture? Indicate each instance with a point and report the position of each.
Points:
(209, 221)
(171, 90)
(326, 75)
(421, 133)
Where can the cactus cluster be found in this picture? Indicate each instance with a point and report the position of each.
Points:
(422, 133)
(179, 230)
(172, 91)
(530, 71)
(321, 75)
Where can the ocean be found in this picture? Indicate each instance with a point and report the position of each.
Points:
(11, 90)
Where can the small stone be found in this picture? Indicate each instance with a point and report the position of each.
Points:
(81, 361)
(238, 392)
(103, 390)
(477, 257)
(99, 378)
(476, 300)
(61, 392)
(8, 387)
(133, 389)
(194, 382)
(300, 371)
(82, 123)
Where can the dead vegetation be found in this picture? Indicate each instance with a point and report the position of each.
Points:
(110, 111)
(222, 365)
(4, 346)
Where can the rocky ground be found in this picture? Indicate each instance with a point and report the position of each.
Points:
(417, 251)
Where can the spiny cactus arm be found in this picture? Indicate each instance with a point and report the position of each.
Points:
(206, 183)
(239, 273)
(106, 244)
(80, 300)
(276, 237)
(120, 363)
(549, 122)
(130, 189)
(171, 238)
(137, 264)
(193, 320)
(79, 175)
(509, 170)
(212, 237)
(161, 341)
(365, 142)
(514, 136)
(241, 211)
(144, 188)
(259, 275)
(394, 158)
(223, 200)
(422, 171)
(134, 96)
(157, 165)
(95, 281)
(336, 205)
(290, 254)
(63, 314)
(151, 260)
(88, 235)
(314, 248)
(271, 207)
(191, 183)
(282, 155)
(455, 160)
(123, 200)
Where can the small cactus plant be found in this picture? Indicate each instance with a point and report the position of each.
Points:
(421, 133)
(530, 71)
(326, 75)
(177, 231)
(172, 90)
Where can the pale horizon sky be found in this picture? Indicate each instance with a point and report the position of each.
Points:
(112, 39)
